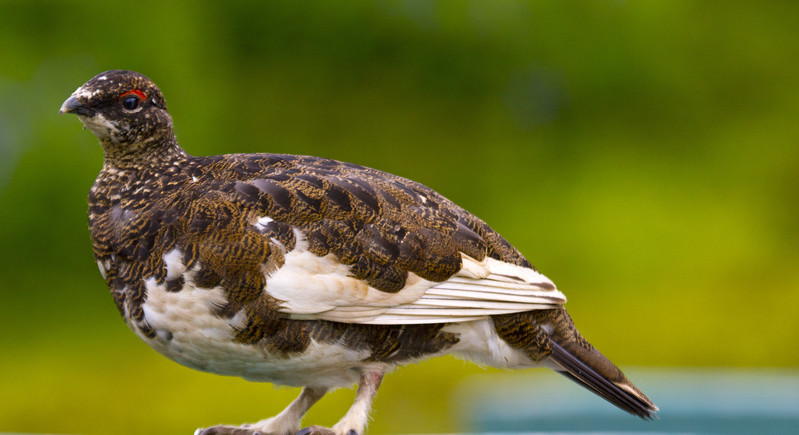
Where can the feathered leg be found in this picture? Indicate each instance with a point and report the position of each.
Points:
(354, 422)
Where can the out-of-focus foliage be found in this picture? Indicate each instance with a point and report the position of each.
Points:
(644, 155)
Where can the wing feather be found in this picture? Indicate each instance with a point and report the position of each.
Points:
(489, 287)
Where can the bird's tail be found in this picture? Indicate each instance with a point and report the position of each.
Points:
(551, 334)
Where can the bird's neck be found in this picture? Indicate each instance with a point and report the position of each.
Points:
(141, 156)
(129, 178)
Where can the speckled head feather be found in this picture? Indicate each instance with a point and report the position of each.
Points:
(126, 111)
(307, 271)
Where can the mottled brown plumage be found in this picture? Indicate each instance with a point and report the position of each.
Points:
(165, 223)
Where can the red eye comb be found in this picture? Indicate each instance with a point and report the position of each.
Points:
(135, 92)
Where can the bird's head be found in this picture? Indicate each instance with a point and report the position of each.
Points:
(125, 110)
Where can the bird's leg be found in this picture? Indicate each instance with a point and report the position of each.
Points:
(288, 421)
(285, 423)
(354, 422)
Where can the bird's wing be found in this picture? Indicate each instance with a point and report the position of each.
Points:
(310, 287)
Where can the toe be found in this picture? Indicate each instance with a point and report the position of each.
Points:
(316, 430)
(227, 430)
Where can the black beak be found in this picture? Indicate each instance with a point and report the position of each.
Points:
(72, 105)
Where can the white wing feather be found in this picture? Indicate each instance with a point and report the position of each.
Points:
(312, 287)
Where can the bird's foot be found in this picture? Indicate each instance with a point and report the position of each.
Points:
(230, 430)
(319, 430)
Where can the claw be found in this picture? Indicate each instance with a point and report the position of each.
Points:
(316, 430)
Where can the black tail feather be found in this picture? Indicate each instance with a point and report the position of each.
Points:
(588, 378)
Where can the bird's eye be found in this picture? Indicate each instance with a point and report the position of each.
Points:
(130, 103)
(131, 99)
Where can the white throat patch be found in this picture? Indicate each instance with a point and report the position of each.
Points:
(100, 126)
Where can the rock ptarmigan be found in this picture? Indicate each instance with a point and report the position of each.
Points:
(308, 272)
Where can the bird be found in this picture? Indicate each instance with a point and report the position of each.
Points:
(309, 272)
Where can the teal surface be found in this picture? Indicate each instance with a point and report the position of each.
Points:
(699, 401)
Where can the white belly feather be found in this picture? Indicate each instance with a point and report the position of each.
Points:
(188, 332)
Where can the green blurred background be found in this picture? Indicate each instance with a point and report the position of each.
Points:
(643, 155)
